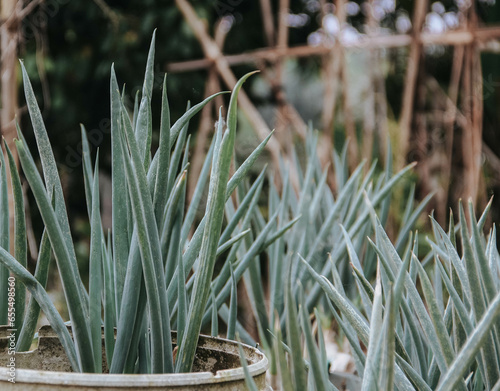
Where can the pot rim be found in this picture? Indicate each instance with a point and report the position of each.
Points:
(144, 380)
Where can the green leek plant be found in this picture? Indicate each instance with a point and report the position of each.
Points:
(427, 325)
(326, 219)
(138, 272)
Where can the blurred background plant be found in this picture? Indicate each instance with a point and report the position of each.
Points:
(424, 324)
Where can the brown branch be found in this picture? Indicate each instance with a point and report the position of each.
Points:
(410, 83)
(206, 121)
(483, 37)
(267, 16)
(214, 54)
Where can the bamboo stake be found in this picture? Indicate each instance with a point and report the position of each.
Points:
(206, 121)
(350, 127)
(410, 83)
(369, 117)
(214, 54)
(283, 24)
(419, 139)
(486, 38)
(267, 16)
(10, 10)
(330, 69)
(288, 114)
(381, 108)
(479, 195)
(473, 110)
(467, 132)
(282, 134)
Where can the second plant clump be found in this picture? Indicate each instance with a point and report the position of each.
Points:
(426, 321)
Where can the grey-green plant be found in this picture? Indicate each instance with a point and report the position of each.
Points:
(420, 321)
(429, 323)
(148, 275)
(325, 219)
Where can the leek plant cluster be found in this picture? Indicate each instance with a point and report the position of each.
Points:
(325, 220)
(149, 275)
(413, 321)
(428, 323)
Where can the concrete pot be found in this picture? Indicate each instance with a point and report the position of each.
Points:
(216, 367)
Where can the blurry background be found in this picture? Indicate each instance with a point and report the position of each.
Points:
(424, 75)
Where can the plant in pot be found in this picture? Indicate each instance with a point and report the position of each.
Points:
(148, 275)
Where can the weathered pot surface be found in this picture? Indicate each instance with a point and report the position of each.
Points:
(216, 367)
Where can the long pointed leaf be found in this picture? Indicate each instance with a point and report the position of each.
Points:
(77, 304)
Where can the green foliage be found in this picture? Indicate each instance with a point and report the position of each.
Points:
(439, 337)
(433, 328)
(326, 225)
(426, 325)
(137, 272)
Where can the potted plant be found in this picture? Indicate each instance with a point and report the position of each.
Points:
(147, 276)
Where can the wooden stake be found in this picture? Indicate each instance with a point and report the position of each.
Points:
(9, 45)
(214, 54)
(486, 38)
(207, 120)
(410, 83)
